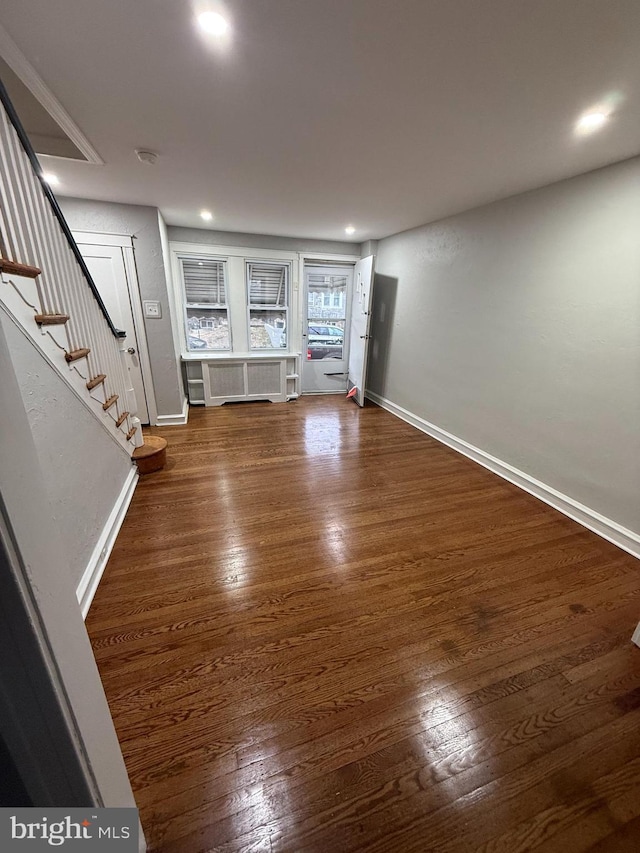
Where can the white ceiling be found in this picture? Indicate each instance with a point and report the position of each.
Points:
(319, 113)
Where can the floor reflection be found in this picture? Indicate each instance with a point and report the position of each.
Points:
(450, 739)
(334, 537)
(322, 433)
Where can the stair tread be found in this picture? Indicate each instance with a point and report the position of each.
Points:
(18, 269)
(51, 319)
(131, 432)
(153, 445)
(75, 354)
(122, 418)
(97, 380)
(110, 402)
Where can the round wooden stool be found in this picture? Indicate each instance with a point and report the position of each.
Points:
(152, 456)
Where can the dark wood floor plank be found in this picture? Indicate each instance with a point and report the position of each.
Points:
(533, 799)
(320, 629)
(435, 756)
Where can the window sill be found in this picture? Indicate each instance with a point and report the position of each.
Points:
(237, 356)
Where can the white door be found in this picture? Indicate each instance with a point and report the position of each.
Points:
(360, 324)
(325, 332)
(109, 272)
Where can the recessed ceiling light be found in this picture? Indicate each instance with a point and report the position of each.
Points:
(591, 121)
(213, 23)
(350, 229)
(206, 215)
(50, 179)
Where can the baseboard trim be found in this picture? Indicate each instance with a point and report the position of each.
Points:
(95, 568)
(584, 515)
(175, 420)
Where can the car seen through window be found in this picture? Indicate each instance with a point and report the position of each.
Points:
(324, 341)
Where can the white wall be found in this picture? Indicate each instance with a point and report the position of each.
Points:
(44, 555)
(516, 327)
(83, 470)
(140, 222)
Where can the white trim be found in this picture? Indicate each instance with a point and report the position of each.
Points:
(135, 299)
(636, 636)
(95, 238)
(608, 529)
(311, 259)
(17, 61)
(91, 576)
(194, 355)
(125, 242)
(175, 420)
(208, 250)
(319, 257)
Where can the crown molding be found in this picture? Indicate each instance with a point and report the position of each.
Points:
(21, 66)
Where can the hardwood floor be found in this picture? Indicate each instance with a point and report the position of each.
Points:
(320, 630)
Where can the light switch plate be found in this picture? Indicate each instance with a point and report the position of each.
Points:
(152, 310)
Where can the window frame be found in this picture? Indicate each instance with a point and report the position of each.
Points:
(250, 306)
(236, 294)
(200, 256)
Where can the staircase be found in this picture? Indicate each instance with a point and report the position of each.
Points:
(47, 290)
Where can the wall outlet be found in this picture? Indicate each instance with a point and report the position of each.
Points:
(152, 310)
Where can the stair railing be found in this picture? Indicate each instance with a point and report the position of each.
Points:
(34, 232)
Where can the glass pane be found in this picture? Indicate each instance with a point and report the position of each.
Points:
(207, 329)
(204, 281)
(267, 329)
(268, 284)
(326, 316)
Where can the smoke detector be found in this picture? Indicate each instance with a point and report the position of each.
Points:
(147, 157)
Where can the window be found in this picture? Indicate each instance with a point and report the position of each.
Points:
(207, 315)
(268, 299)
(326, 315)
(235, 302)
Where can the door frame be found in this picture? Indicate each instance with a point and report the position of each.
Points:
(363, 319)
(317, 259)
(125, 242)
(309, 368)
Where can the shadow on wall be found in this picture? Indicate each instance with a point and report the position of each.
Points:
(385, 290)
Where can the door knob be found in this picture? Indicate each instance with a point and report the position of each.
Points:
(131, 350)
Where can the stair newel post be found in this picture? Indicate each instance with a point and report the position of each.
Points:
(129, 393)
(138, 438)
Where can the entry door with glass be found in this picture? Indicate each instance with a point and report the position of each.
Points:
(325, 339)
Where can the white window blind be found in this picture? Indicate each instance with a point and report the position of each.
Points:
(206, 315)
(204, 281)
(268, 298)
(268, 284)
